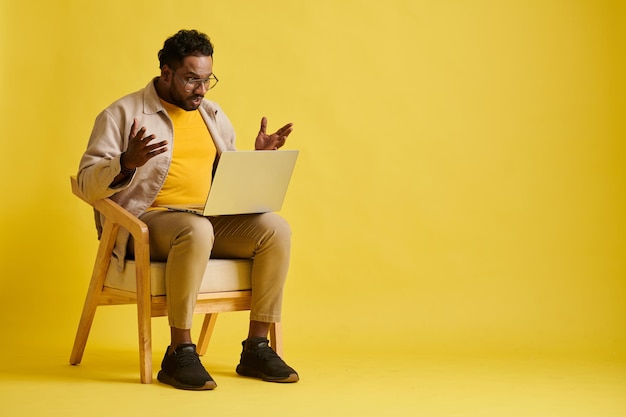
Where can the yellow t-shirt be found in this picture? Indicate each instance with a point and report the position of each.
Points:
(189, 178)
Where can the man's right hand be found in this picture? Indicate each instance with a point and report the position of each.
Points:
(140, 150)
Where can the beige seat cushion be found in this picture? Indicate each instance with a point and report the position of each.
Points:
(220, 275)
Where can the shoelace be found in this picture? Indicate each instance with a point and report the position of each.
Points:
(187, 358)
(266, 353)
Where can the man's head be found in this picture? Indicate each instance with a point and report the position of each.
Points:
(184, 44)
(186, 62)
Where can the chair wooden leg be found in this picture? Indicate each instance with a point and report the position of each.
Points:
(145, 344)
(84, 326)
(93, 293)
(276, 338)
(207, 330)
(144, 311)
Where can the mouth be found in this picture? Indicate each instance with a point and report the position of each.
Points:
(197, 100)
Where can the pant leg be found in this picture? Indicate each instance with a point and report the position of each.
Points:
(184, 241)
(266, 238)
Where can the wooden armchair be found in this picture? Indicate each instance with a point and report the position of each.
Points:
(226, 286)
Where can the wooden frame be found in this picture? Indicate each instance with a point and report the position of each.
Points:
(148, 306)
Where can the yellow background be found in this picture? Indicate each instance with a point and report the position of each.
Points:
(460, 187)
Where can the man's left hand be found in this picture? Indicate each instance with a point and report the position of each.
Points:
(274, 140)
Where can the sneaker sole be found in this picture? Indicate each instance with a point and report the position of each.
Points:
(245, 371)
(166, 379)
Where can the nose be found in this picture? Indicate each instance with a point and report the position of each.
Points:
(202, 87)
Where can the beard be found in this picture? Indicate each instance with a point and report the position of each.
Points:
(189, 103)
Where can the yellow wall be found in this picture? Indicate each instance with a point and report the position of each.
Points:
(461, 180)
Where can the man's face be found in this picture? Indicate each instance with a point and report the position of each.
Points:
(188, 97)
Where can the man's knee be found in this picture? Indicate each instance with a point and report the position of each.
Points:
(277, 223)
(277, 229)
(196, 229)
(202, 224)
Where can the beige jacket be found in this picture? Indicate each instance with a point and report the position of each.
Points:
(100, 163)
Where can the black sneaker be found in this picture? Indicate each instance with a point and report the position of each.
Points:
(258, 360)
(183, 370)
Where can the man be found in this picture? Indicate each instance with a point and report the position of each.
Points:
(158, 146)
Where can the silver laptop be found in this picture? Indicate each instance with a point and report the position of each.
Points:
(247, 182)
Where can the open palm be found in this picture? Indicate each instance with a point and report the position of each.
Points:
(272, 141)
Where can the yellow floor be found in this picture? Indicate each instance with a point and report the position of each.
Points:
(351, 382)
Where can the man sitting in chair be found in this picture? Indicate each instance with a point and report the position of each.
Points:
(158, 146)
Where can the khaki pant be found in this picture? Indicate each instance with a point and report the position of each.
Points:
(186, 241)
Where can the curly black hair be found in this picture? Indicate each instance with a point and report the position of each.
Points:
(183, 44)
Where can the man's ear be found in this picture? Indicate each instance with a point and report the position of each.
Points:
(167, 73)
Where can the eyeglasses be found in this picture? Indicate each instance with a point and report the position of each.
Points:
(193, 83)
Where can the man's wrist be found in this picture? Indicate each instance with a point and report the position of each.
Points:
(125, 170)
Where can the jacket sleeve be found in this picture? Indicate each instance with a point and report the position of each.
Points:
(100, 163)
